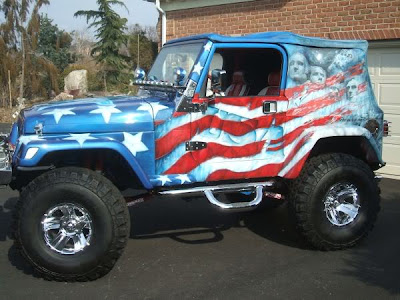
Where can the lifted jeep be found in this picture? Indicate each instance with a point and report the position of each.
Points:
(268, 115)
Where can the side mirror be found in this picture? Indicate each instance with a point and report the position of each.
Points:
(217, 78)
(140, 74)
(179, 76)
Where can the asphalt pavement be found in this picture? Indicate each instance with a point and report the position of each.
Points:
(187, 249)
(5, 128)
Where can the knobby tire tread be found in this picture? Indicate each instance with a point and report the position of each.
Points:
(106, 191)
(302, 189)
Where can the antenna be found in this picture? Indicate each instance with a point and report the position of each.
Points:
(138, 51)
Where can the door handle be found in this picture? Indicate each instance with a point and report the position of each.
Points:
(269, 107)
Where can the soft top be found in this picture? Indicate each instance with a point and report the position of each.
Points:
(277, 37)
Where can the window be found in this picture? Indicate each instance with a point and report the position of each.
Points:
(250, 71)
(171, 57)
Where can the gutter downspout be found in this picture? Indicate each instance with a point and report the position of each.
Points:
(163, 23)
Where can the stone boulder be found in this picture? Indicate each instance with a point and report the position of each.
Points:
(63, 96)
(76, 82)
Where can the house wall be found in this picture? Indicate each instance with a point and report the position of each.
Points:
(335, 19)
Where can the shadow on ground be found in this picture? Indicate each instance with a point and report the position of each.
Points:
(6, 211)
(176, 219)
(376, 261)
(6, 231)
(180, 220)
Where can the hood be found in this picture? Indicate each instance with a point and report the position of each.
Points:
(113, 114)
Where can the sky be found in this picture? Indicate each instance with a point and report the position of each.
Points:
(62, 12)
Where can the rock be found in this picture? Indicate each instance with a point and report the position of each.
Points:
(63, 96)
(76, 82)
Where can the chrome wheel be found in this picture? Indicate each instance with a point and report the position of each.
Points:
(342, 204)
(67, 228)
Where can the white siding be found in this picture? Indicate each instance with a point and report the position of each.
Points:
(384, 69)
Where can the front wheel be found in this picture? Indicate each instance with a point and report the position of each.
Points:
(72, 224)
(335, 201)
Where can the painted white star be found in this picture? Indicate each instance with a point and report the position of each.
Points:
(157, 107)
(164, 179)
(26, 139)
(197, 68)
(130, 118)
(207, 47)
(134, 143)
(183, 178)
(59, 112)
(106, 111)
(153, 108)
(80, 138)
(146, 107)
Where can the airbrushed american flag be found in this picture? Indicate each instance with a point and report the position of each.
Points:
(325, 91)
(243, 142)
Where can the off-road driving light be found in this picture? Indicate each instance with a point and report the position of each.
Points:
(31, 152)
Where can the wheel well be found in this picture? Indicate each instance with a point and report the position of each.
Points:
(356, 146)
(108, 162)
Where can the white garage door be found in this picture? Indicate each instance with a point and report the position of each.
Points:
(384, 69)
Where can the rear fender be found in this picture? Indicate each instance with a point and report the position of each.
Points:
(307, 141)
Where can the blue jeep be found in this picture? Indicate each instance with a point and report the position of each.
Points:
(241, 120)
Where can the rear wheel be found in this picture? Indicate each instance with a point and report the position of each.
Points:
(335, 201)
(72, 224)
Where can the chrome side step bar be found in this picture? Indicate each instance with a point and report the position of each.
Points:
(237, 187)
(257, 200)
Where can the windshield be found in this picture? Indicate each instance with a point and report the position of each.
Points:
(179, 56)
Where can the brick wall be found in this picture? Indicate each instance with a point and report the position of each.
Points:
(335, 19)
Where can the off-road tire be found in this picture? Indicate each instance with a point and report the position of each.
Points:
(307, 193)
(110, 216)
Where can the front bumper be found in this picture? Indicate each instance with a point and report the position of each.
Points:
(5, 161)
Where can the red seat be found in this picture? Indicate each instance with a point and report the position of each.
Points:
(273, 88)
(238, 87)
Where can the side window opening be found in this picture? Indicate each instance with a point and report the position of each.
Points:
(250, 71)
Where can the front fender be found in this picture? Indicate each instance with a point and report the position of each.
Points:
(306, 142)
(136, 148)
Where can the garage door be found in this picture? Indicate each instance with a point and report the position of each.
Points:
(384, 69)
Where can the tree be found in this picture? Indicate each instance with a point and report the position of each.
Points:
(54, 44)
(15, 15)
(82, 43)
(110, 37)
(21, 33)
(13, 31)
(144, 55)
(8, 72)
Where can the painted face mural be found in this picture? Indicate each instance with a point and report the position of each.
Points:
(298, 68)
(352, 88)
(317, 75)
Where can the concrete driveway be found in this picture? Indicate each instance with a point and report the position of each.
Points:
(181, 249)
